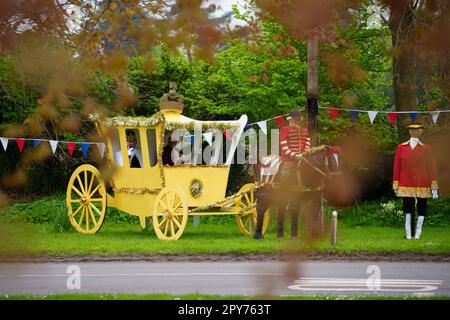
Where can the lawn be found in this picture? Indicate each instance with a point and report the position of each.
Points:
(223, 237)
(122, 296)
(42, 227)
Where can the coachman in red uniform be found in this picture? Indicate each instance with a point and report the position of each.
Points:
(415, 177)
(294, 140)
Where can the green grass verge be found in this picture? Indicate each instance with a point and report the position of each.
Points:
(122, 296)
(223, 237)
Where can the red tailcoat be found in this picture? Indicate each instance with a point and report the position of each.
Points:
(293, 140)
(414, 171)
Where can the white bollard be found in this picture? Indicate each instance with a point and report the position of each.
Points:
(333, 227)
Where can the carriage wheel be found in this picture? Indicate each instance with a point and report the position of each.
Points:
(246, 220)
(86, 199)
(170, 213)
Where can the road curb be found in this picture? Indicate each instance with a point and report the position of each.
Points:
(240, 257)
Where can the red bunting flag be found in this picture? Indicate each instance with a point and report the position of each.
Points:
(392, 116)
(70, 146)
(20, 143)
(228, 135)
(334, 113)
(280, 121)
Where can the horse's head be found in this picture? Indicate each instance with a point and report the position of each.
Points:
(320, 163)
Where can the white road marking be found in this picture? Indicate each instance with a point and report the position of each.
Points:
(352, 284)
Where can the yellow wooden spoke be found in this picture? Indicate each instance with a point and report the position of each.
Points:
(85, 182)
(172, 229)
(252, 197)
(162, 221)
(76, 211)
(166, 228)
(170, 199)
(248, 200)
(96, 209)
(177, 222)
(95, 190)
(91, 183)
(87, 219)
(96, 200)
(80, 183)
(161, 203)
(82, 216)
(178, 205)
(91, 214)
(77, 191)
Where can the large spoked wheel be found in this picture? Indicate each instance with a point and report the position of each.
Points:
(170, 213)
(246, 220)
(86, 199)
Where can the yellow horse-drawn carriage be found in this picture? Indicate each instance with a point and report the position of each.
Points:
(166, 193)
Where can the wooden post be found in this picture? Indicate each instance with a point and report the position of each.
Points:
(313, 91)
(333, 228)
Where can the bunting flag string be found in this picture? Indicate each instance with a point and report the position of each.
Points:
(392, 115)
(85, 146)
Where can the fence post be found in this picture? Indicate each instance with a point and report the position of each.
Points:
(333, 227)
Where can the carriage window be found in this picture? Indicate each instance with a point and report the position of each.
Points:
(152, 146)
(134, 148)
(115, 142)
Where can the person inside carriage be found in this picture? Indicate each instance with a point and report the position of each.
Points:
(134, 154)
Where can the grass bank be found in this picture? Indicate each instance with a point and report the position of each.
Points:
(41, 227)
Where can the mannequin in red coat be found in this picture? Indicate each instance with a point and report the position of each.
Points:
(414, 178)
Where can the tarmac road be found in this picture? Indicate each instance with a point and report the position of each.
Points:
(229, 278)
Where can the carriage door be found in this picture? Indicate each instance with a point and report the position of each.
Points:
(139, 149)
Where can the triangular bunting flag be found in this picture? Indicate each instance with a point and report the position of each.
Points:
(20, 143)
(413, 116)
(208, 137)
(372, 115)
(263, 126)
(70, 147)
(85, 149)
(334, 113)
(36, 142)
(53, 145)
(435, 116)
(4, 143)
(101, 148)
(280, 121)
(354, 115)
(392, 116)
(228, 135)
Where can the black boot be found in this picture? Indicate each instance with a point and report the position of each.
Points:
(258, 236)
(261, 207)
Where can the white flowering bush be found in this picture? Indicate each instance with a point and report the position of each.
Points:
(391, 215)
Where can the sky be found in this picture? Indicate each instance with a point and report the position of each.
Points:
(225, 7)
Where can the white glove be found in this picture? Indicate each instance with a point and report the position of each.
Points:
(396, 192)
(434, 193)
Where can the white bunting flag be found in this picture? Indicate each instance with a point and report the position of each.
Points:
(263, 126)
(53, 144)
(372, 115)
(208, 137)
(101, 148)
(4, 143)
(435, 116)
